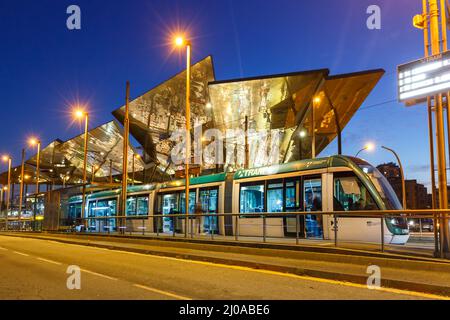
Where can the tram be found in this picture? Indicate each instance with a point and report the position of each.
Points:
(337, 183)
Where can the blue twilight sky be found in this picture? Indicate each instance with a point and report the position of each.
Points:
(45, 67)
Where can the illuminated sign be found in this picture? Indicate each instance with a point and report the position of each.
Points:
(426, 77)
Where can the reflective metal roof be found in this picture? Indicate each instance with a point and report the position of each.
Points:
(160, 111)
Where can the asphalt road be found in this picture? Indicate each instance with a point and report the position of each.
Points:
(37, 269)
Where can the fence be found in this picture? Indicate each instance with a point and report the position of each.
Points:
(229, 226)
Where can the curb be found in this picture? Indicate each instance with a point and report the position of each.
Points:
(345, 277)
(298, 248)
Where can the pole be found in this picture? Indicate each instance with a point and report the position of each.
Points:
(125, 155)
(433, 177)
(430, 133)
(188, 130)
(402, 175)
(132, 164)
(38, 160)
(22, 179)
(440, 136)
(86, 139)
(247, 160)
(1, 200)
(8, 200)
(110, 170)
(313, 134)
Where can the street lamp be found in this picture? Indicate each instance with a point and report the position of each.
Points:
(302, 134)
(180, 42)
(402, 176)
(8, 201)
(80, 115)
(316, 103)
(368, 147)
(36, 142)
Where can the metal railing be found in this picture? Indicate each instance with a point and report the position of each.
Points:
(229, 226)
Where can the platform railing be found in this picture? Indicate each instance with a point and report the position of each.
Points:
(227, 226)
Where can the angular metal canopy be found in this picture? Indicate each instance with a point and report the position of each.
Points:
(105, 149)
(160, 111)
(62, 162)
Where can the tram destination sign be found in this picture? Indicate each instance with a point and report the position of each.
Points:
(423, 78)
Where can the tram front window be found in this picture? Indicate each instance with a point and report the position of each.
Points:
(381, 184)
(351, 195)
(252, 199)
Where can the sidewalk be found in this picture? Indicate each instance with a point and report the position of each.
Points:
(397, 271)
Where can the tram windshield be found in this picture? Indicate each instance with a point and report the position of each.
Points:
(380, 182)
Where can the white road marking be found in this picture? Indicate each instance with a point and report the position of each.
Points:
(99, 274)
(22, 254)
(50, 261)
(172, 295)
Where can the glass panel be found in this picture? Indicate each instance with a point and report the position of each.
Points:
(192, 202)
(275, 200)
(209, 201)
(351, 195)
(252, 199)
(142, 206)
(169, 206)
(131, 206)
(383, 187)
(312, 193)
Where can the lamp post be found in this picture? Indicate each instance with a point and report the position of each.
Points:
(36, 142)
(368, 147)
(302, 135)
(8, 200)
(401, 174)
(22, 179)
(316, 102)
(180, 42)
(80, 114)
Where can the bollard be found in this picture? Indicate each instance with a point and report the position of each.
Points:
(382, 234)
(143, 227)
(192, 227)
(297, 222)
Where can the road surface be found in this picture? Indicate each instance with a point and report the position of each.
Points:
(37, 269)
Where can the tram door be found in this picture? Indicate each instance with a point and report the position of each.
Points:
(293, 204)
(209, 198)
(312, 199)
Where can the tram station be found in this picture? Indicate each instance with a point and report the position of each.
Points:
(306, 110)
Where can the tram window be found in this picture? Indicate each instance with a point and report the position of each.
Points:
(131, 206)
(192, 202)
(142, 206)
(209, 200)
(169, 204)
(351, 195)
(106, 208)
(292, 200)
(252, 198)
(313, 194)
(91, 209)
(275, 197)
